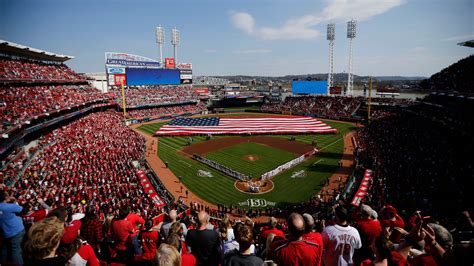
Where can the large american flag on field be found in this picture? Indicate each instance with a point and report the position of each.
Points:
(244, 125)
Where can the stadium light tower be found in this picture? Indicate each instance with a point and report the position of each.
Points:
(175, 42)
(331, 34)
(351, 34)
(160, 39)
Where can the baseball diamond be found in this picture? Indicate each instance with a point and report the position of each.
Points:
(286, 190)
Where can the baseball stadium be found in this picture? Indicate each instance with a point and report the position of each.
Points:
(148, 163)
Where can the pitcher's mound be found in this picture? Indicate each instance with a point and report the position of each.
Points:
(254, 186)
(251, 158)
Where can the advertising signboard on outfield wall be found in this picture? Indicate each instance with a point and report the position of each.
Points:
(115, 70)
(119, 78)
(185, 76)
(169, 63)
(186, 81)
(201, 90)
(111, 80)
(185, 66)
(186, 71)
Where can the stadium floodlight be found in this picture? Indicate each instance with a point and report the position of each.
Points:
(351, 34)
(331, 36)
(175, 42)
(160, 39)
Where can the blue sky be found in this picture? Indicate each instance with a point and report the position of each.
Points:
(255, 37)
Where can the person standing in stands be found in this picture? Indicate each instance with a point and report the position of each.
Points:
(369, 229)
(204, 242)
(310, 235)
(122, 230)
(165, 228)
(244, 256)
(296, 251)
(42, 242)
(150, 240)
(91, 229)
(340, 240)
(390, 219)
(271, 229)
(32, 214)
(12, 229)
(137, 221)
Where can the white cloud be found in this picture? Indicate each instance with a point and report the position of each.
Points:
(360, 10)
(255, 51)
(210, 50)
(243, 21)
(460, 38)
(302, 28)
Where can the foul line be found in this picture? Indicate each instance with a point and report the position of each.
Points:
(329, 145)
(185, 163)
(320, 160)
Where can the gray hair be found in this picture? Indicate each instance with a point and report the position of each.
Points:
(442, 235)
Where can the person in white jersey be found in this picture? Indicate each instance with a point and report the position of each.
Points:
(340, 240)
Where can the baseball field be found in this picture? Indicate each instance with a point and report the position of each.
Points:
(252, 156)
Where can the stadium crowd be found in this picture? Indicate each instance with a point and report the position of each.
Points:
(433, 167)
(155, 95)
(330, 107)
(27, 70)
(89, 160)
(79, 202)
(346, 236)
(156, 112)
(392, 101)
(19, 104)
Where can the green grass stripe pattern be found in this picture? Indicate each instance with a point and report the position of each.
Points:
(219, 189)
(268, 158)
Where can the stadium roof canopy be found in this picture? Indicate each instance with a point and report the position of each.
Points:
(29, 52)
(467, 43)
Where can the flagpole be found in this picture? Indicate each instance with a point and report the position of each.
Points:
(124, 104)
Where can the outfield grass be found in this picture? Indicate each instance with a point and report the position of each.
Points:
(220, 188)
(268, 158)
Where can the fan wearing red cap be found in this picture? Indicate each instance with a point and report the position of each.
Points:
(390, 218)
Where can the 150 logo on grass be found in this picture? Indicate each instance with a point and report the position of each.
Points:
(257, 203)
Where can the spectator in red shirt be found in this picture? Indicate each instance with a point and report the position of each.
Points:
(72, 228)
(121, 231)
(72, 224)
(137, 222)
(296, 251)
(369, 229)
(84, 255)
(150, 240)
(310, 235)
(34, 215)
(187, 259)
(271, 229)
